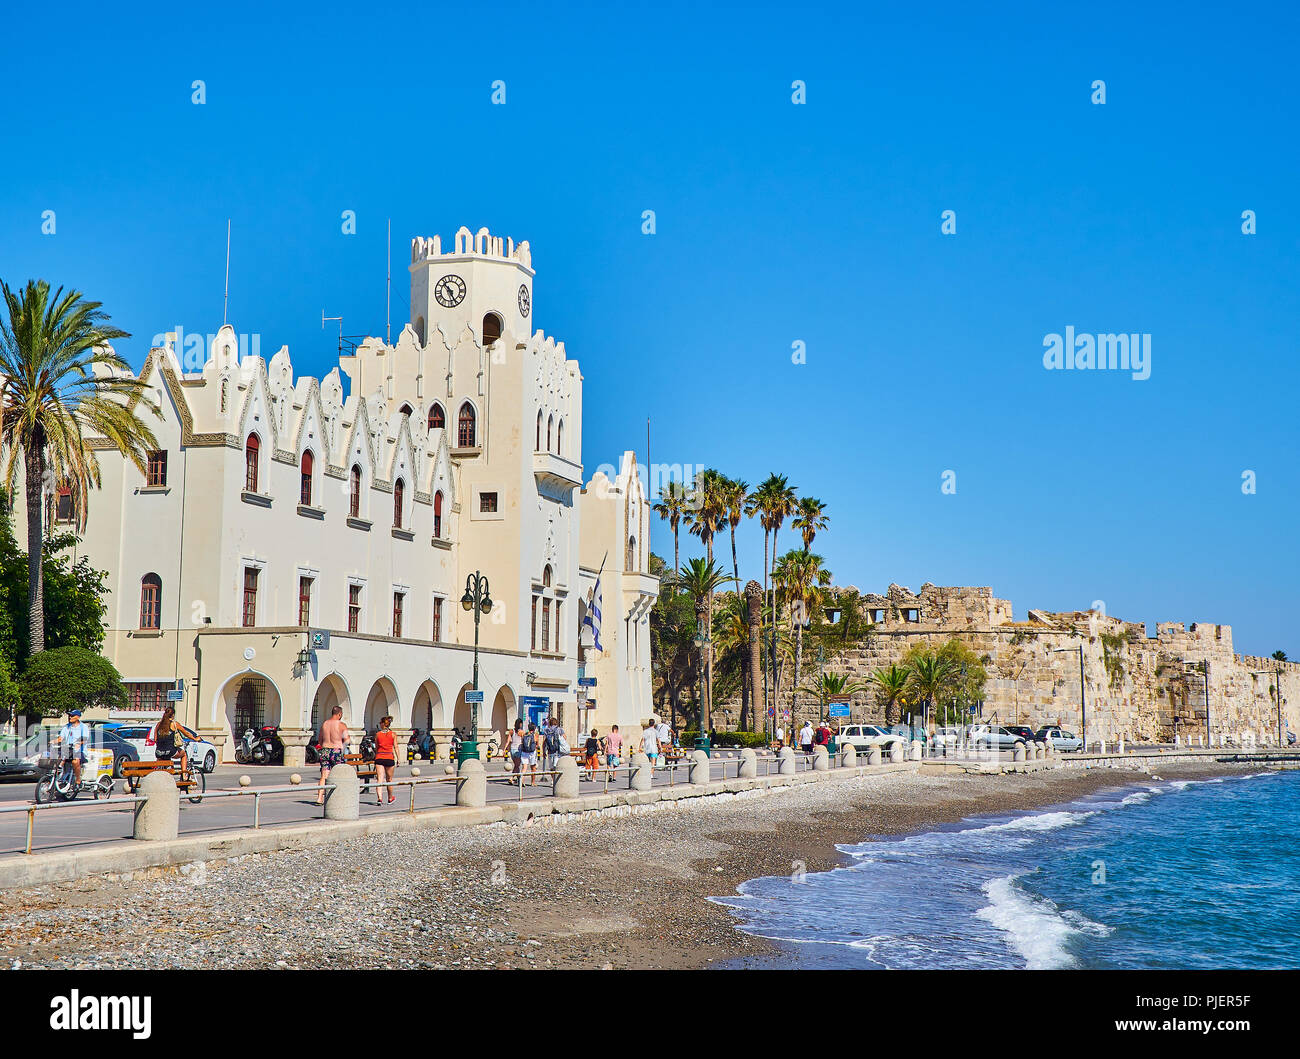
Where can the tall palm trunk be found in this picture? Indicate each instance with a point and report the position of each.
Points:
(34, 471)
(708, 677)
(706, 715)
(677, 558)
(768, 695)
(798, 660)
(745, 691)
(755, 621)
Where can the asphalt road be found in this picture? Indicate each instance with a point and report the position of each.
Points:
(85, 821)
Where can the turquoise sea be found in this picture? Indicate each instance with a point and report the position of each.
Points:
(1163, 875)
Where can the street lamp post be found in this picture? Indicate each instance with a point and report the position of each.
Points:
(1083, 697)
(477, 599)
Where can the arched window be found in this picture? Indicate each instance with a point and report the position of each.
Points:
(437, 418)
(399, 494)
(419, 329)
(437, 513)
(252, 450)
(538, 446)
(304, 493)
(546, 576)
(491, 328)
(631, 554)
(550, 425)
(559, 438)
(354, 499)
(465, 432)
(150, 601)
(406, 410)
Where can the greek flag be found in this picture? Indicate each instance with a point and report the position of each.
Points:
(592, 619)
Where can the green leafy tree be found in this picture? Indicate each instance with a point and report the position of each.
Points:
(74, 597)
(1280, 655)
(672, 507)
(810, 518)
(60, 678)
(699, 579)
(801, 579)
(59, 382)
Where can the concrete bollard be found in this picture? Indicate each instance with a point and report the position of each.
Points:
(1120, 748)
(849, 756)
(344, 801)
(699, 770)
(785, 765)
(471, 786)
(642, 774)
(895, 753)
(1018, 753)
(565, 782)
(748, 764)
(916, 750)
(158, 818)
(1102, 745)
(821, 759)
(873, 755)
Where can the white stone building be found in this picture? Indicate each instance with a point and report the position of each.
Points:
(276, 506)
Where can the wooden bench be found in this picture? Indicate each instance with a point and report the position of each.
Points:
(673, 754)
(192, 783)
(365, 769)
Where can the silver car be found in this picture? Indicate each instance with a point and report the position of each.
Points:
(1059, 738)
(996, 737)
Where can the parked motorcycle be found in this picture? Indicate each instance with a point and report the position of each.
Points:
(268, 748)
(368, 747)
(244, 748)
(421, 745)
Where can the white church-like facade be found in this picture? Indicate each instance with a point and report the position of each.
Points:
(291, 548)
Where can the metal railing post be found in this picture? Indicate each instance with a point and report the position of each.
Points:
(31, 824)
(257, 810)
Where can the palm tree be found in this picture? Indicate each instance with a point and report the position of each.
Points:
(704, 518)
(1280, 655)
(834, 686)
(891, 690)
(770, 502)
(731, 635)
(801, 577)
(810, 518)
(931, 674)
(59, 380)
(699, 579)
(734, 495)
(672, 506)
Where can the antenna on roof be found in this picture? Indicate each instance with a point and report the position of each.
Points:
(388, 305)
(225, 304)
(324, 318)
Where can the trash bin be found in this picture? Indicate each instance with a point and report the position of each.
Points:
(702, 743)
(833, 748)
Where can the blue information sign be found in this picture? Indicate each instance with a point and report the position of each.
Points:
(837, 709)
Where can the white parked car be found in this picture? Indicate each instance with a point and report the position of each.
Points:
(947, 737)
(864, 736)
(202, 754)
(995, 736)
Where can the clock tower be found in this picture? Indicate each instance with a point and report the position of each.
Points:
(484, 282)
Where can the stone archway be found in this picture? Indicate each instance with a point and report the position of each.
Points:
(246, 700)
(331, 692)
(505, 708)
(460, 717)
(428, 710)
(380, 702)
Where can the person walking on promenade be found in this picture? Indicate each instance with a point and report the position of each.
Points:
(333, 748)
(780, 737)
(592, 754)
(528, 753)
(553, 742)
(806, 737)
(613, 744)
(514, 745)
(665, 736)
(385, 760)
(650, 744)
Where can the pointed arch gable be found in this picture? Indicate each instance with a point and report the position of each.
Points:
(439, 476)
(358, 448)
(256, 416)
(312, 415)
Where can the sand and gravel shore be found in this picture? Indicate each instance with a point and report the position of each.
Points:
(590, 892)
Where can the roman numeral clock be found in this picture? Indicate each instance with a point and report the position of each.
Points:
(450, 291)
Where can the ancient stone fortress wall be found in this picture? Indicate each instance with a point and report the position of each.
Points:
(1137, 686)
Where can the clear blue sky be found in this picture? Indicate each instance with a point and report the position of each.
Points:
(776, 223)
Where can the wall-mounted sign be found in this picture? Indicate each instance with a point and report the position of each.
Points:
(586, 682)
(319, 640)
(474, 696)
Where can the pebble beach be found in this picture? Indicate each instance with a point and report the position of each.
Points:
(612, 892)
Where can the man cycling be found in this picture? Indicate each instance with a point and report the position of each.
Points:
(77, 737)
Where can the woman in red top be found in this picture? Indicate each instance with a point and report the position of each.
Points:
(385, 759)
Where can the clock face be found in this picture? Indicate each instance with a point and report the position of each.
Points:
(450, 291)
(525, 302)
